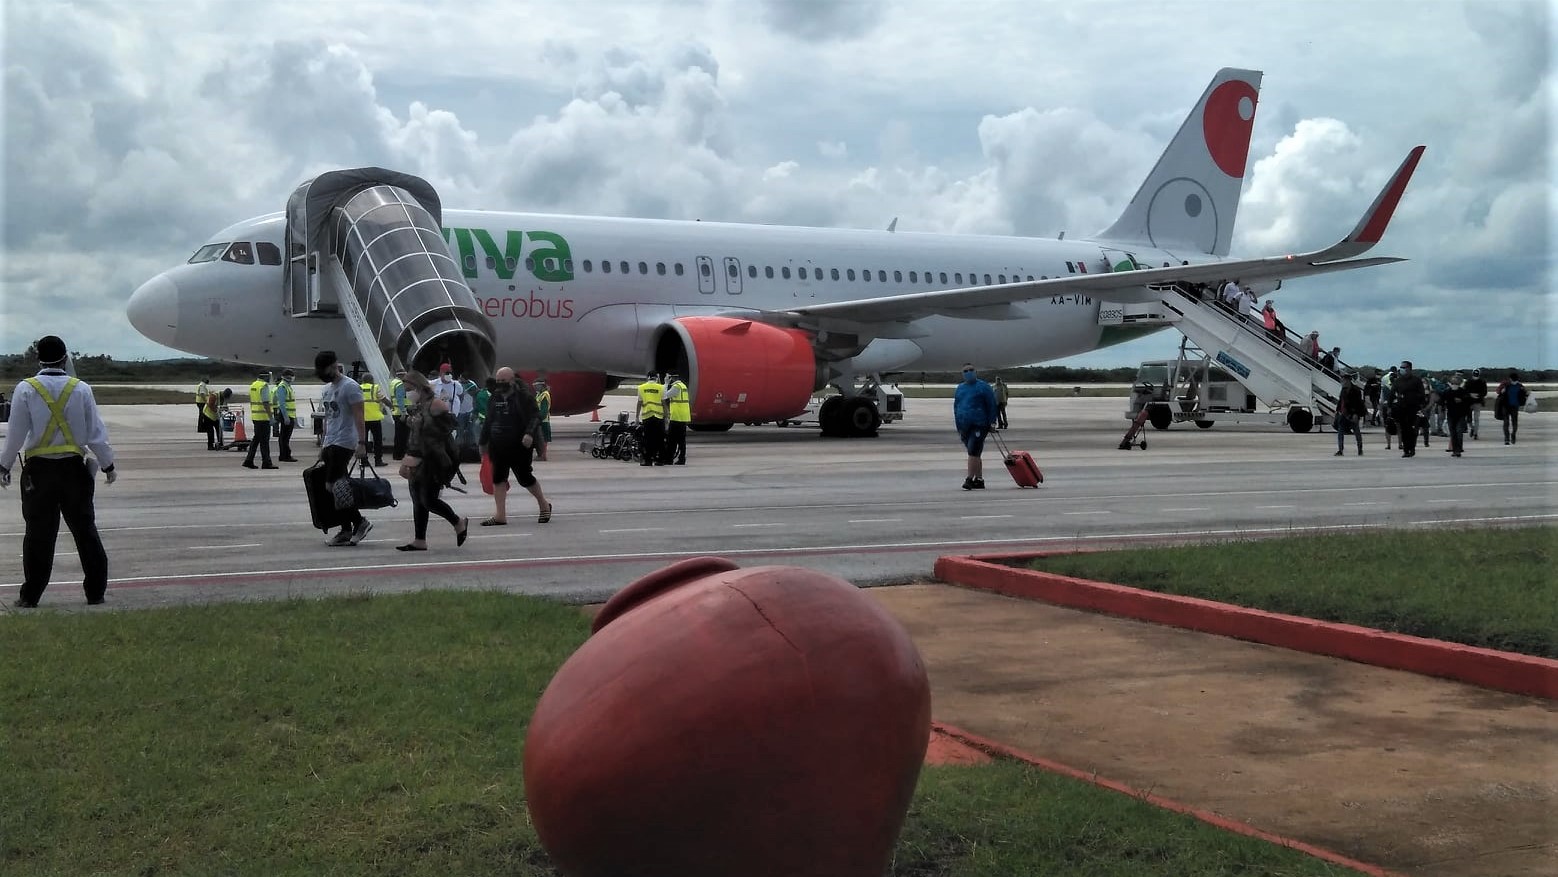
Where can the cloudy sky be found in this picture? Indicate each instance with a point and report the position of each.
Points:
(133, 131)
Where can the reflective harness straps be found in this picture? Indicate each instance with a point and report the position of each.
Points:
(57, 422)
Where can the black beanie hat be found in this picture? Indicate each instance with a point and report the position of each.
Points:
(51, 349)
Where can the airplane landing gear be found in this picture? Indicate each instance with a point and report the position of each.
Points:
(860, 413)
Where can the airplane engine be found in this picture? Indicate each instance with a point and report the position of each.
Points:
(739, 371)
(574, 392)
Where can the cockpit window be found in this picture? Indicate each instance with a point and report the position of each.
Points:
(208, 253)
(269, 253)
(241, 252)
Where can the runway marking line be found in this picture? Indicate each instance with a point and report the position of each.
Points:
(865, 548)
(875, 520)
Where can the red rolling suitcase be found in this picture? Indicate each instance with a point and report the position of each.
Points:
(1019, 463)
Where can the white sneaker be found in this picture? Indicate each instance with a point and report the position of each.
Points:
(362, 530)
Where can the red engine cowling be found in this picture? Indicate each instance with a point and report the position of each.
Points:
(740, 371)
(572, 392)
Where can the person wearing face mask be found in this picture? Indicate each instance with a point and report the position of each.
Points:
(346, 437)
(508, 438)
(430, 461)
(974, 411)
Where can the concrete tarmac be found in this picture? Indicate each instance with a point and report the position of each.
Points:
(186, 525)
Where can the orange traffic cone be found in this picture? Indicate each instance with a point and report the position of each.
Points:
(595, 415)
(239, 433)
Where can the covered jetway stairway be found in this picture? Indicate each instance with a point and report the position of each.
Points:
(366, 245)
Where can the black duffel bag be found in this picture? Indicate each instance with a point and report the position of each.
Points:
(368, 491)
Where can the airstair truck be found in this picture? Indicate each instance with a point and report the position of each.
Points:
(1194, 388)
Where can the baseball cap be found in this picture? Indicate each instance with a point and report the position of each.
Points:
(444, 369)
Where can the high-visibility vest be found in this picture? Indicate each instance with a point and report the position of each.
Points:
(209, 409)
(544, 402)
(257, 400)
(201, 392)
(397, 403)
(681, 406)
(370, 403)
(291, 406)
(651, 395)
(57, 422)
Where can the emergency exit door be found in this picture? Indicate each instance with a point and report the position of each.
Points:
(706, 279)
(732, 275)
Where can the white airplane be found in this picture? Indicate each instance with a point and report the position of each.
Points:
(756, 317)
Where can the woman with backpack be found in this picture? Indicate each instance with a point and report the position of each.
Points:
(430, 460)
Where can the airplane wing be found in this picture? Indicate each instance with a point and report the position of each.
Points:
(1127, 287)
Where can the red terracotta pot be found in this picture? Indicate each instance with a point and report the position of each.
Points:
(732, 722)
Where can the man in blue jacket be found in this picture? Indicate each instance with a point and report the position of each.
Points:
(975, 411)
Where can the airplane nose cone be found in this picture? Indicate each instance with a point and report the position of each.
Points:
(154, 309)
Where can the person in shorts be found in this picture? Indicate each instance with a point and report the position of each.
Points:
(975, 412)
(508, 440)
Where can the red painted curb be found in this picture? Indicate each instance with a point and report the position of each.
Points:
(1489, 668)
(1001, 749)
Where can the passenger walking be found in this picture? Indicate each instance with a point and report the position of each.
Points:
(1371, 392)
(1329, 359)
(1477, 388)
(260, 414)
(430, 461)
(678, 404)
(285, 407)
(1268, 317)
(54, 422)
(1002, 395)
(651, 417)
(508, 439)
(1456, 402)
(1436, 387)
(345, 438)
(1409, 399)
(974, 412)
(1350, 412)
(1511, 396)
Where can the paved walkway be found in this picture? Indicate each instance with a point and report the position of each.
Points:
(1425, 776)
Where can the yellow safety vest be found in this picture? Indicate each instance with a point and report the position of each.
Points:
(396, 405)
(681, 406)
(256, 401)
(544, 402)
(651, 394)
(370, 403)
(201, 392)
(209, 408)
(57, 422)
(292, 400)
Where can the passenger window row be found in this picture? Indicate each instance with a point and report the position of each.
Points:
(804, 273)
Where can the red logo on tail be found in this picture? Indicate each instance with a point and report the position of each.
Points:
(1226, 123)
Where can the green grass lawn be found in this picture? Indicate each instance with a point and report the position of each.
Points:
(383, 735)
(142, 396)
(1486, 587)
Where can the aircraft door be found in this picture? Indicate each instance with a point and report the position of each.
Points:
(1120, 260)
(706, 275)
(732, 275)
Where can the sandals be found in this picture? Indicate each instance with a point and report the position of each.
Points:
(494, 522)
(410, 547)
(459, 536)
(546, 515)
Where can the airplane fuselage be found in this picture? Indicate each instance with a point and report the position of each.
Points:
(584, 293)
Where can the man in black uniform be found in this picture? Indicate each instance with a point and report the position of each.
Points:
(1408, 396)
(1457, 407)
(53, 423)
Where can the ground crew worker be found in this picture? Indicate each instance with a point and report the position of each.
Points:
(211, 414)
(373, 405)
(651, 416)
(544, 405)
(284, 403)
(678, 415)
(260, 413)
(54, 422)
(1003, 394)
(397, 397)
(202, 423)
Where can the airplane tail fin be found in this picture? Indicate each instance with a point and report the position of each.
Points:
(1190, 198)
